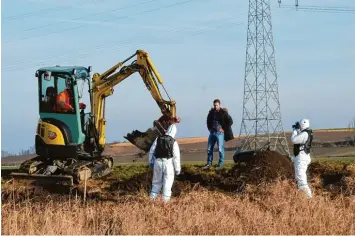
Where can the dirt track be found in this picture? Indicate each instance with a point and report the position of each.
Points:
(200, 144)
(194, 149)
(187, 157)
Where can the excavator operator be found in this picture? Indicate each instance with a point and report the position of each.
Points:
(64, 99)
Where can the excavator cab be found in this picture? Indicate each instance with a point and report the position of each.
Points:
(59, 129)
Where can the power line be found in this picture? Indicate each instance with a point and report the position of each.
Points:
(56, 61)
(104, 45)
(331, 9)
(314, 10)
(53, 9)
(120, 42)
(317, 6)
(91, 15)
(78, 27)
(131, 45)
(322, 6)
(308, 9)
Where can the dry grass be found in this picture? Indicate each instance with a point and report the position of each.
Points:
(273, 209)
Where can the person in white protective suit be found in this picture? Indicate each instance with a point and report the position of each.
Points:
(164, 158)
(302, 137)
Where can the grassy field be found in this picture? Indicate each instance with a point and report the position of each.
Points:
(204, 202)
(277, 209)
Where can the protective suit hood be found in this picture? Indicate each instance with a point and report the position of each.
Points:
(304, 124)
(171, 131)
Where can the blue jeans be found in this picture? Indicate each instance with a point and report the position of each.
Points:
(212, 139)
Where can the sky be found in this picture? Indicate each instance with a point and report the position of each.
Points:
(198, 46)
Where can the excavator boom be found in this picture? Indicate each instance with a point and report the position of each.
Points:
(103, 87)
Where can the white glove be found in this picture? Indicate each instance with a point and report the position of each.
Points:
(177, 172)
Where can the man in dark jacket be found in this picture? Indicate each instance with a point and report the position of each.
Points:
(219, 123)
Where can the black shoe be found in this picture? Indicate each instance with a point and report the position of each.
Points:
(219, 167)
(207, 166)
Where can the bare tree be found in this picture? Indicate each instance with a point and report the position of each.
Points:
(352, 129)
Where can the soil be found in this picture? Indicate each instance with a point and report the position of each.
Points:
(264, 166)
(256, 168)
(251, 170)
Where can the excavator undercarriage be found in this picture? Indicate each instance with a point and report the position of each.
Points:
(64, 171)
(71, 171)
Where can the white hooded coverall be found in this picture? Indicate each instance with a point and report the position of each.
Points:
(301, 162)
(164, 169)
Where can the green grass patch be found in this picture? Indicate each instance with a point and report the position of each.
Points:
(127, 171)
(9, 167)
(335, 160)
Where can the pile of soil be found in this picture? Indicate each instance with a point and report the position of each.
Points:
(264, 166)
(251, 168)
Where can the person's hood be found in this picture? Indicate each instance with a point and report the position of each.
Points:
(171, 131)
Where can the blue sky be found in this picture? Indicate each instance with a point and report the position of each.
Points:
(197, 46)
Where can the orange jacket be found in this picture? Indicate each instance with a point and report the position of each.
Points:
(64, 97)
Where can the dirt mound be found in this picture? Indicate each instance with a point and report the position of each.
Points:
(251, 168)
(263, 166)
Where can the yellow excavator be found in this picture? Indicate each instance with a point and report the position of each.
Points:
(69, 142)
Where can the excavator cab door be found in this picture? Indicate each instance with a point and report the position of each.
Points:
(61, 125)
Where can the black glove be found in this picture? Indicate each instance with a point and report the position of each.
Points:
(296, 125)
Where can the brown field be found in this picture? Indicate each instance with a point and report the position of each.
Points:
(277, 209)
(247, 198)
(253, 198)
(194, 149)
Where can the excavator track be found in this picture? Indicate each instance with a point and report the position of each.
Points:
(90, 169)
(32, 165)
(64, 172)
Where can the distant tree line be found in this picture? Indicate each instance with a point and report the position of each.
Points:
(28, 151)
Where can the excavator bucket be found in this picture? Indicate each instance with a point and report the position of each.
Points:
(144, 140)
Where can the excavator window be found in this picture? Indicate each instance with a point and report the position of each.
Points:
(65, 95)
(56, 94)
(47, 94)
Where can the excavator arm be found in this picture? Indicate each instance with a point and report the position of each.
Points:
(102, 86)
